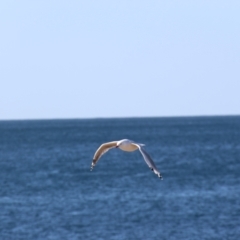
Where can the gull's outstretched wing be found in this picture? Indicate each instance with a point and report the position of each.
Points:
(101, 150)
(149, 161)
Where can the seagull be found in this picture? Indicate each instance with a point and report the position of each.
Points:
(128, 146)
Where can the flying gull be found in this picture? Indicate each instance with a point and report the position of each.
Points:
(128, 146)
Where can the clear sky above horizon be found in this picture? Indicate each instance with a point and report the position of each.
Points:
(84, 59)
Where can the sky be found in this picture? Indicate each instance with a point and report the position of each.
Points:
(93, 59)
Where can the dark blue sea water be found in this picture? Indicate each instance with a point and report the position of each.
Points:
(48, 192)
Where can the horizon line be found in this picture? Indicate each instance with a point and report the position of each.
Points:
(118, 117)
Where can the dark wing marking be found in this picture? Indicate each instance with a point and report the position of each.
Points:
(101, 150)
(149, 161)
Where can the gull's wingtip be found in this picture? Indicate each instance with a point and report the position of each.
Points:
(160, 175)
(92, 166)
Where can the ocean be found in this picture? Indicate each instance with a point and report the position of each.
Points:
(47, 190)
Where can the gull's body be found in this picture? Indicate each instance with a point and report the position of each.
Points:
(128, 146)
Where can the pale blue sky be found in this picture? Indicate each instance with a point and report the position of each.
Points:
(81, 59)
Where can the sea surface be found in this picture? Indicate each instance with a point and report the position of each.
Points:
(48, 192)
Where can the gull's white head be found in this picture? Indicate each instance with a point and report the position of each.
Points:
(123, 142)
